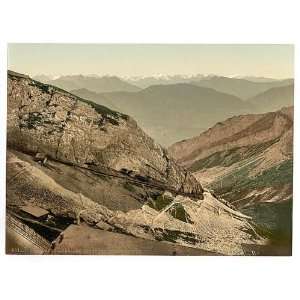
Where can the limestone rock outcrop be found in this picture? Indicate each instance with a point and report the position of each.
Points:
(46, 119)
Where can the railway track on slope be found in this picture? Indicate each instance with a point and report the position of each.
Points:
(141, 181)
(27, 233)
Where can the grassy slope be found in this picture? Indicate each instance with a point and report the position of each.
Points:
(239, 183)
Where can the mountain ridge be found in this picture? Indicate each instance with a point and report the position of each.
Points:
(159, 108)
(96, 84)
(273, 99)
(241, 88)
(245, 159)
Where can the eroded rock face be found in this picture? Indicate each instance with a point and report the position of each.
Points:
(45, 119)
(239, 131)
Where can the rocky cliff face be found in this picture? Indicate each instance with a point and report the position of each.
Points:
(45, 119)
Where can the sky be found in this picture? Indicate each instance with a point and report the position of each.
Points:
(274, 61)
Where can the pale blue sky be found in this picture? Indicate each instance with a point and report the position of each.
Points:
(150, 59)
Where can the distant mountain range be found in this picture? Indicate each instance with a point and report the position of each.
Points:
(147, 81)
(144, 82)
(93, 83)
(241, 88)
(257, 79)
(273, 99)
(170, 113)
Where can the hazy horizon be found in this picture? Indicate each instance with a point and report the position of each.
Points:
(143, 60)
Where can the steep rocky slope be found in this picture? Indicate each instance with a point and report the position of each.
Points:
(83, 162)
(245, 159)
(42, 118)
